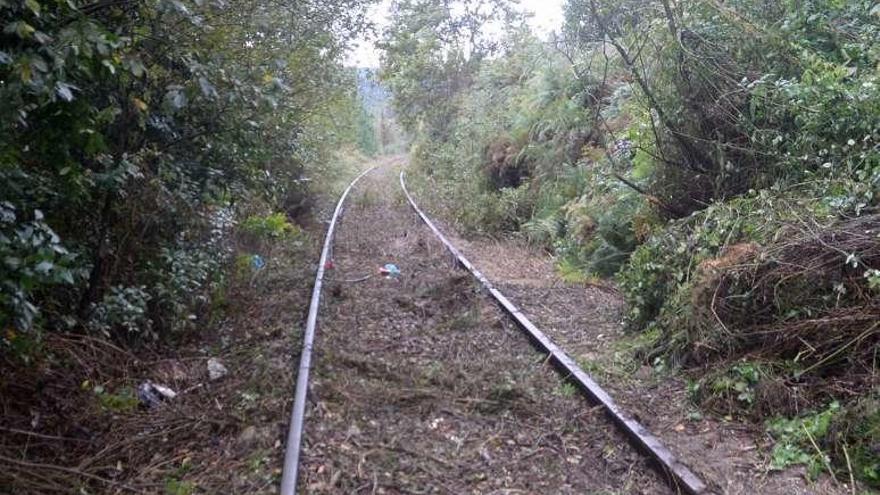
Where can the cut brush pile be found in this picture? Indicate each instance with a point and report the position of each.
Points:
(798, 322)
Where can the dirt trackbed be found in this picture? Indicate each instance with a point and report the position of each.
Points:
(421, 385)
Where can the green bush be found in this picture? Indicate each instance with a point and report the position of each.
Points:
(703, 168)
(271, 226)
(124, 129)
(662, 272)
(33, 260)
(122, 308)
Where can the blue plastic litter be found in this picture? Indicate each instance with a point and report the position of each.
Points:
(258, 261)
(390, 270)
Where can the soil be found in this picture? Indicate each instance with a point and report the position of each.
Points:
(421, 385)
(586, 320)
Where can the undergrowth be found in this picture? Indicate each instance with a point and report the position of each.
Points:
(726, 174)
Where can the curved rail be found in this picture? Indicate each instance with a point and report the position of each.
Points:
(297, 415)
(679, 475)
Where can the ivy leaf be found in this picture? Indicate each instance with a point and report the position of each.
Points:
(5, 58)
(42, 38)
(34, 6)
(177, 98)
(26, 74)
(136, 67)
(64, 276)
(44, 267)
(20, 28)
(39, 64)
(65, 91)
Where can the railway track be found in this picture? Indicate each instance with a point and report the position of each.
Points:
(679, 478)
(297, 415)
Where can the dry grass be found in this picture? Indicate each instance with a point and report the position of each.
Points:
(72, 422)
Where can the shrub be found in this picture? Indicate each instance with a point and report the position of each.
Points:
(33, 260)
(123, 308)
(271, 226)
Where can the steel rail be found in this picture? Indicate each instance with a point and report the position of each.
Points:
(676, 473)
(297, 415)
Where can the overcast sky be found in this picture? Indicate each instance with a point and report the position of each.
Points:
(547, 18)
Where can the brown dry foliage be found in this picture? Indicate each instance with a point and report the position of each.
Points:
(501, 166)
(805, 298)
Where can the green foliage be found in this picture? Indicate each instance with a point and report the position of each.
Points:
(743, 95)
(121, 401)
(131, 133)
(122, 308)
(272, 226)
(179, 487)
(184, 281)
(570, 272)
(566, 389)
(244, 265)
(797, 440)
(431, 53)
(32, 258)
(663, 270)
(732, 390)
(722, 158)
(366, 132)
(523, 154)
(854, 434)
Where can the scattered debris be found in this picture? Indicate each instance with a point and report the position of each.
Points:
(258, 262)
(390, 270)
(152, 394)
(216, 370)
(419, 408)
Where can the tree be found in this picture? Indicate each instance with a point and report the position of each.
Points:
(126, 126)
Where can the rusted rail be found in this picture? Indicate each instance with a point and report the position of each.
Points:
(679, 476)
(297, 415)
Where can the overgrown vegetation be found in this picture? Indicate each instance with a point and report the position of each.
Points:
(720, 159)
(160, 164)
(133, 135)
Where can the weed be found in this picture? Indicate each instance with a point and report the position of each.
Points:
(175, 486)
(854, 435)
(590, 366)
(122, 401)
(271, 226)
(464, 320)
(796, 440)
(570, 272)
(566, 389)
(730, 390)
